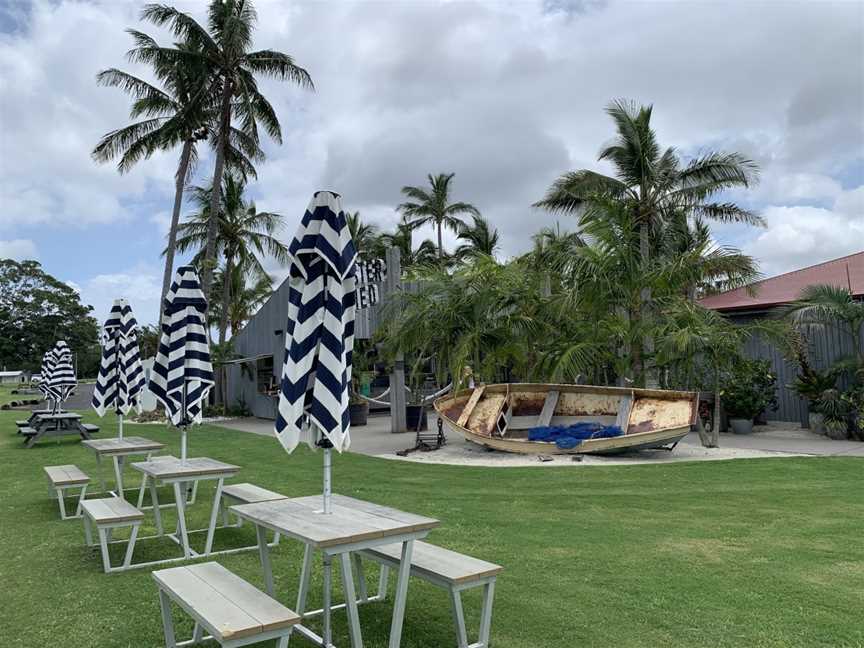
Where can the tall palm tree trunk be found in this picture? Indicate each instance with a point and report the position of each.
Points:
(216, 193)
(182, 172)
(645, 314)
(440, 242)
(226, 298)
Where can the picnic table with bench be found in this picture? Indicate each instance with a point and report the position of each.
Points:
(352, 526)
(117, 450)
(63, 478)
(44, 425)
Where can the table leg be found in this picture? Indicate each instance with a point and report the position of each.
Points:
(141, 490)
(264, 553)
(351, 601)
(181, 519)
(328, 582)
(401, 594)
(362, 590)
(118, 476)
(459, 618)
(154, 500)
(101, 470)
(214, 514)
(167, 620)
(62, 501)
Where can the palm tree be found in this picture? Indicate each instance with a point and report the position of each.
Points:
(823, 306)
(245, 236)
(179, 113)
(480, 239)
(654, 185)
(434, 207)
(224, 49)
(246, 298)
(402, 238)
(364, 235)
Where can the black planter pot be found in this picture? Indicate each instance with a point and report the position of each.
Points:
(415, 418)
(359, 413)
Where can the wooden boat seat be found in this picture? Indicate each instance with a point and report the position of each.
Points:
(231, 610)
(549, 405)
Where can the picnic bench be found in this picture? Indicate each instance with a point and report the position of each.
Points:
(44, 426)
(63, 478)
(447, 569)
(246, 493)
(107, 514)
(232, 611)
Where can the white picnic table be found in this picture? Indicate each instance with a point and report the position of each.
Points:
(352, 526)
(179, 473)
(118, 449)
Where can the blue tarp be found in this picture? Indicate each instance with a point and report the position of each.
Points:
(570, 436)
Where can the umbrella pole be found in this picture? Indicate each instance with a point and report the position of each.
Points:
(327, 480)
(183, 444)
(120, 426)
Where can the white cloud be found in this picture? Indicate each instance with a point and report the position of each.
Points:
(18, 249)
(141, 286)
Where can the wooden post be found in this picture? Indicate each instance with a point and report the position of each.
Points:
(393, 290)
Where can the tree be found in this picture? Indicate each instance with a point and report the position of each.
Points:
(244, 237)
(224, 48)
(402, 238)
(364, 235)
(655, 186)
(479, 239)
(822, 306)
(181, 113)
(36, 310)
(433, 207)
(246, 298)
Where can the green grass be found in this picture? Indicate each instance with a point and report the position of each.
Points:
(734, 553)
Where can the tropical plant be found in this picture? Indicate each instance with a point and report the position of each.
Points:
(825, 306)
(479, 238)
(245, 236)
(411, 257)
(364, 235)
(246, 298)
(433, 207)
(750, 389)
(655, 187)
(224, 48)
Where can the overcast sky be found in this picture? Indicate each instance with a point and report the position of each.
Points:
(507, 95)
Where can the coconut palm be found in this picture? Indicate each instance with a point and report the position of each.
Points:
(654, 185)
(480, 238)
(823, 306)
(246, 298)
(225, 48)
(364, 235)
(433, 207)
(245, 236)
(402, 238)
(180, 113)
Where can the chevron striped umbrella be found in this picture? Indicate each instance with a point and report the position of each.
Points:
(45, 374)
(121, 377)
(62, 374)
(319, 339)
(182, 374)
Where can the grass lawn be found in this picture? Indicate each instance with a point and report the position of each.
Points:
(765, 552)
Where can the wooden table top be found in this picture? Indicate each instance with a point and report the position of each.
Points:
(169, 467)
(126, 445)
(352, 520)
(58, 417)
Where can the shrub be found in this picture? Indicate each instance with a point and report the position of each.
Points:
(750, 389)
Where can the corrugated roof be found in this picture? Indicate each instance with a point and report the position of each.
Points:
(785, 288)
(10, 374)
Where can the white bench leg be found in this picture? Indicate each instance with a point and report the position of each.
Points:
(264, 554)
(131, 546)
(103, 544)
(305, 579)
(88, 533)
(81, 500)
(167, 620)
(283, 642)
(486, 613)
(62, 503)
(459, 618)
(351, 601)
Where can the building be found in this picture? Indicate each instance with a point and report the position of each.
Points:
(12, 378)
(744, 305)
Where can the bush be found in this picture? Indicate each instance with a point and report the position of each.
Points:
(750, 389)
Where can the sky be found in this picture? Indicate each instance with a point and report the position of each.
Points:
(506, 95)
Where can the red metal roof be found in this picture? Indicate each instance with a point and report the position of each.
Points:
(786, 288)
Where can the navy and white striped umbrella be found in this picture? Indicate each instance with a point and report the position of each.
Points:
(121, 377)
(319, 340)
(182, 374)
(45, 373)
(62, 374)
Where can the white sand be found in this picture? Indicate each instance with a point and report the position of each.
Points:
(459, 452)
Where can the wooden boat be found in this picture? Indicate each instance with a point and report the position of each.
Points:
(501, 416)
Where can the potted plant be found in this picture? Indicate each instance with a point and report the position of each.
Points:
(810, 384)
(835, 410)
(358, 410)
(748, 392)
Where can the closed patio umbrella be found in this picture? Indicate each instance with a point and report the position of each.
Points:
(182, 374)
(319, 336)
(121, 377)
(62, 379)
(45, 376)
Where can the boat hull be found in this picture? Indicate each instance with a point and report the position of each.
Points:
(671, 416)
